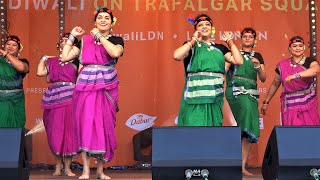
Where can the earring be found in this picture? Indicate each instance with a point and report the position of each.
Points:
(255, 43)
(110, 30)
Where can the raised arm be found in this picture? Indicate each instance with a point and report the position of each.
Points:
(114, 50)
(310, 72)
(234, 56)
(260, 69)
(183, 51)
(69, 52)
(42, 70)
(19, 65)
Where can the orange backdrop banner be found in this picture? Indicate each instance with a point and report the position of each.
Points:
(151, 81)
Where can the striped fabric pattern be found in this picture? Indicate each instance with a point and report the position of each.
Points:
(301, 98)
(94, 78)
(203, 89)
(237, 90)
(57, 95)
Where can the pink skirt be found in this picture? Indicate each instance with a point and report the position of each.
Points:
(59, 125)
(95, 120)
(306, 115)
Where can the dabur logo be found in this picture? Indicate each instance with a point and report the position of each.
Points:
(140, 121)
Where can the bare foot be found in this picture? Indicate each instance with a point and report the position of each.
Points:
(85, 175)
(57, 172)
(69, 173)
(246, 173)
(102, 176)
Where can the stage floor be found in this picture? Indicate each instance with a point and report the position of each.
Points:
(37, 174)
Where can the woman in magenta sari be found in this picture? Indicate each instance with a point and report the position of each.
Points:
(96, 91)
(299, 102)
(58, 115)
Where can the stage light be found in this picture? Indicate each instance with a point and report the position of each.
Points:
(313, 29)
(3, 21)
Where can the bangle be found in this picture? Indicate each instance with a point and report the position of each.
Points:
(72, 35)
(296, 75)
(230, 59)
(97, 36)
(195, 39)
(5, 54)
(189, 44)
(258, 68)
(229, 40)
(71, 38)
(44, 58)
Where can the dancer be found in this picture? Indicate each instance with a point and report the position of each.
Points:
(201, 104)
(58, 114)
(242, 91)
(12, 72)
(96, 91)
(297, 74)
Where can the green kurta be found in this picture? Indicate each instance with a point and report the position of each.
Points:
(202, 100)
(242, 92)
(12, 105)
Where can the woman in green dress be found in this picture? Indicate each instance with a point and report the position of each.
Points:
(201, 104)
(242, 91)
(12, 72)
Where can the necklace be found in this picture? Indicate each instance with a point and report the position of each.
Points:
(246, 56)
(210, 45)
(63, 63)
(301, 62)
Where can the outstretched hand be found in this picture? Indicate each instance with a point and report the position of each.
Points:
(226, 35)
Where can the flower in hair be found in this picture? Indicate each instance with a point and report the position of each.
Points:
(99, 9)
(191, 19)
(13, 39)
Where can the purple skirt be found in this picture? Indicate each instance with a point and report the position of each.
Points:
(305, 115)
(95, 120)
(59, 125)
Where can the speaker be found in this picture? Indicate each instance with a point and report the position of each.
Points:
(194, 152)
(13, 155)
(142, 140)
(291, 153)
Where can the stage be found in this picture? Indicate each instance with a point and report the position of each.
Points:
(119, 174)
